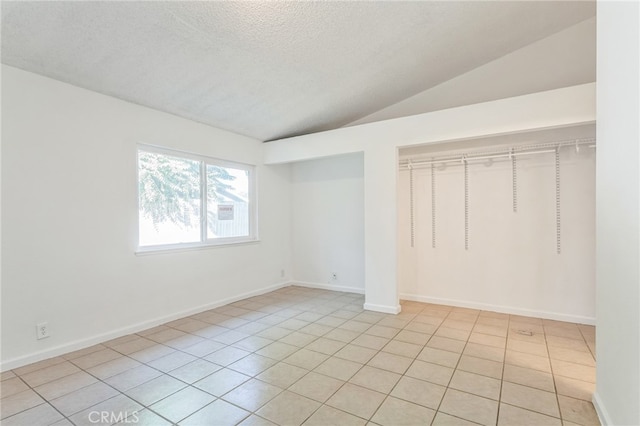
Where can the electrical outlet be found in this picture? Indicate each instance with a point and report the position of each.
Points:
(282, 273)
(42, 330)
(334, 276)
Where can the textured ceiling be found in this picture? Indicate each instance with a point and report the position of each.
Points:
(271, 69)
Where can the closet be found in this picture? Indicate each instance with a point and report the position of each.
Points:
(504, 223)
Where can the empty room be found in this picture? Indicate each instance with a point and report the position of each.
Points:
(320, 213)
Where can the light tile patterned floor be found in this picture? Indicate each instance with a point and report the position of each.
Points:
(315, 357)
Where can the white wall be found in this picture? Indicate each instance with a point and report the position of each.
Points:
(563, 59)
(69, 211)
(327, 223)
(617, 396)
(380, 142)
(511, 265)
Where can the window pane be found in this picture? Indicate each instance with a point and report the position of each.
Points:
(169, 199)
(227, 202)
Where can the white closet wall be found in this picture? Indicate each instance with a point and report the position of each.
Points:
(512, 264)
(327, 223)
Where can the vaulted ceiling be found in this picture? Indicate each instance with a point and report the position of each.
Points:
(272, 69)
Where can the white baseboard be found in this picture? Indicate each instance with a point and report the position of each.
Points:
(387, 309)
(502, 309)
(601, 411)
(333, 287)
(94, 340)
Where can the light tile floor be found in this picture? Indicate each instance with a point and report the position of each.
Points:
(314, 357)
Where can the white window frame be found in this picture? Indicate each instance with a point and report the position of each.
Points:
(205, 241)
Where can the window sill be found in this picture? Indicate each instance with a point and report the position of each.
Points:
(153, 250)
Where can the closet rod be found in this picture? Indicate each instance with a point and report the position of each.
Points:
(514, 154)
(505, 153)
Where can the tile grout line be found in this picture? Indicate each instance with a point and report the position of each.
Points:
(292, 308)
(45, 401)
(313, 370)
(353, 375)
(457, 364)
(504, 364)
(254, 412)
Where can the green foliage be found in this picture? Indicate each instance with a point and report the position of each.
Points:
(169, 187)
(216, 177)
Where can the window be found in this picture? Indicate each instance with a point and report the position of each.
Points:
(187, 200)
